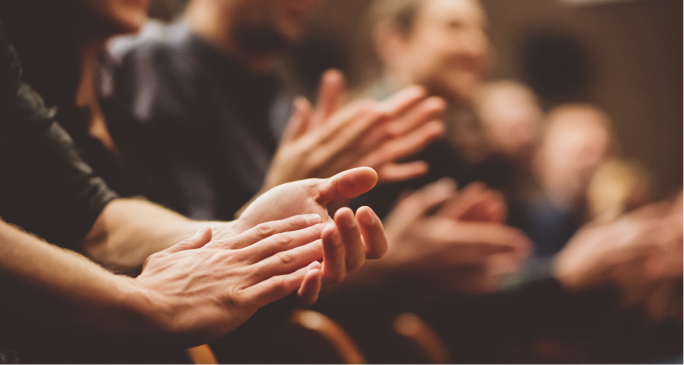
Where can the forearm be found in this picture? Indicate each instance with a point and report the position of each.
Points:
(45, 283)
(128, 231)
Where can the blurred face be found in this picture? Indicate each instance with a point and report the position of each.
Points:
(110, 17)
(574, 147)
(447, 48)
(511, 118)
(270, 24)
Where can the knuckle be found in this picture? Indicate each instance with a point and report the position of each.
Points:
(277, 283)
(282, 240)
(285, 258)
(264, 230)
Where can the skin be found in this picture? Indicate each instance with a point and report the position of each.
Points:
(247, 264)
(446, 51)
(107, 242)
(325, 139)
(577, 141)
(511, 117)
(464, 241)
(640, 253)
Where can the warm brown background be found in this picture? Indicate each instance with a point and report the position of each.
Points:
(633, 49)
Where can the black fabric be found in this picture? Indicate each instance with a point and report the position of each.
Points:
(44, 185)
(209, 118)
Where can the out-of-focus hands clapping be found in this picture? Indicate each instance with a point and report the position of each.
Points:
(323, 141)
(462, 245)
(640, 253)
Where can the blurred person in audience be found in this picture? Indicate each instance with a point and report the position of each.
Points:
(511, 119)
(429, 43)
(49, 191)
(206, 38)
(441, 45)
(617, 187)
(577, 140)
(205, 95)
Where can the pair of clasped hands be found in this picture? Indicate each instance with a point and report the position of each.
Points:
(284, 240)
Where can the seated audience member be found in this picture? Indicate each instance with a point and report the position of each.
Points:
(577, 140)
(49, 191)
(205, 38)
(207, 98)
(511, 117)
(416, 43)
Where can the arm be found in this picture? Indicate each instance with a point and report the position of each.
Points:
(128, 231)
(191, 292)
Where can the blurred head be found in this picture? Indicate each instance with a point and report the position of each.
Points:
(578, 139)
(511, 117)
(106, 18)
(440, 44)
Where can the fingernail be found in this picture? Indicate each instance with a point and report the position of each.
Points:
(313, 266)
(366, 219)
(312, 218)
(201, 230)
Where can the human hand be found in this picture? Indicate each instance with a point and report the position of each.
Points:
(472, 254)
(202, 289)
(616, 253)
(475, 203)
(348, 240)
(324, 141)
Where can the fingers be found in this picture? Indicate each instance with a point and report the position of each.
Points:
(329, 97)
(284, 262)
(275, 288)
(355, 251)
(346, 185)
(278, 244)
(404, 146)
(403, 100)
(334, 262)
(429, 109)
(311, 285)
(401, 171)
(299, 122)
(268, 229)
(372, 232)
(199, 239)
(476, 203)
(420, 202)
(489, 238)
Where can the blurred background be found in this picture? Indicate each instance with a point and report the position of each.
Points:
(625, 56)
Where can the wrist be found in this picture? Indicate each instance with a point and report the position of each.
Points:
(145, 310)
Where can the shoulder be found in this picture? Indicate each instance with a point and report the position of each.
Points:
(154, 79)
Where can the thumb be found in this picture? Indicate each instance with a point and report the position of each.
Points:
(198, 240)
(346, 185)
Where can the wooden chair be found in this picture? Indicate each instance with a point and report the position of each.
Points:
(339, 343)
(201, 355)
(419, 340)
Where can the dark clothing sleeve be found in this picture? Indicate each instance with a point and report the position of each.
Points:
(45, 187)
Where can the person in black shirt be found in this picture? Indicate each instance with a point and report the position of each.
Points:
(207, 94)
(47, 190)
